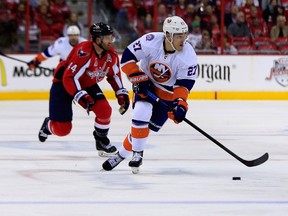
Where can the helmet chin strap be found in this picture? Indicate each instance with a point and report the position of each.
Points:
(170, 42)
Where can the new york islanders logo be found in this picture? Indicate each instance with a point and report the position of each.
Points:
(161, 73)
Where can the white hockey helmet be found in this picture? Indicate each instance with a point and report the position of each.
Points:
(174, 24)
(73, 30)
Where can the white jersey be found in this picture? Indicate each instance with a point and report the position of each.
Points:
(61, 47)
(164, 69)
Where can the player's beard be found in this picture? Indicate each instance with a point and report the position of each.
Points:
(73, 42)
(104, 47)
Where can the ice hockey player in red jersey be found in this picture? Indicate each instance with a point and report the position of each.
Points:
(168, 68)
(76, 79)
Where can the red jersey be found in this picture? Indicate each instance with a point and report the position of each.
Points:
(83, 68)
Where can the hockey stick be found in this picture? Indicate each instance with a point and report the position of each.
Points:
(1, 53)
(248, 163)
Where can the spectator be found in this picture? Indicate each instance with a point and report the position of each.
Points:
(60, 11)
(206, 17)
(229, 48)
(201, 6)
(20, 15)
(280, 29)
(162, 13)
(240, 28)
(206, 42)
(228, 4)
(126, 19)
(146, 25)
(189, 15)
(284, 4)
(169, 4)
(265, 3)
(180, 8)
(231, 16)
(34, 3)
(195, 35)
(41, 14)
(141, 11)
(257, 25)
(50, 29)
(246, 8)
(271, 12)
(73, 20)
(241, 3)
(8, 29)
(43, 2)
(148, 5)
(254, 13)
(44, 21)
(215, 29)
(126, 8)
(8, 5)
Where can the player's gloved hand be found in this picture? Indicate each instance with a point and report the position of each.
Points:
(84, 100)
(179, 112)
(33, 64)
(140, 82)
(123, 100)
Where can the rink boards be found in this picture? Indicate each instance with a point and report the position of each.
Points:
(220, 77)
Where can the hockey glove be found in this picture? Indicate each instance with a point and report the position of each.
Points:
(140, 83)
(179, 112)
(84, 100)
(123, 100)
(33, 64)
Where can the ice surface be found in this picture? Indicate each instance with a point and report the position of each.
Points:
(183, 173)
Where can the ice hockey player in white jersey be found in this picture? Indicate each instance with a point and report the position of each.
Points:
(168, 68)
(62, 47)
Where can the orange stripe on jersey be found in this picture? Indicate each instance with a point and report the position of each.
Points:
(130, 68)
(180, 92)
(40, 57)
(127, 144)
(163, 94)
(139, 132)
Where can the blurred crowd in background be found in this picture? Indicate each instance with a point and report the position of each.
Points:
(250, 26)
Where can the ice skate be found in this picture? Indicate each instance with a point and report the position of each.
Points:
(136, 161)
(103, 146)
(112, 162)
(44, 132)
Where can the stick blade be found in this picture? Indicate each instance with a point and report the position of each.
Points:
(257, 161)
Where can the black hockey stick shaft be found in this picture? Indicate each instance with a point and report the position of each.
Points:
(16, 59)
(249, 163)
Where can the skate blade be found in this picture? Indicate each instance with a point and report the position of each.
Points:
(105, 154)
(135, 170)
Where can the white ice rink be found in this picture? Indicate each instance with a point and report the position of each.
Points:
(183, 173)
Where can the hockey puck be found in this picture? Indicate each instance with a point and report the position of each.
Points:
(236, 178)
